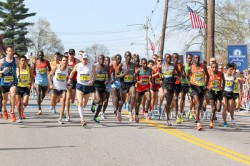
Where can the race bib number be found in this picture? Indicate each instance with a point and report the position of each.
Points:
(84, 77)
(8, 79)
(101, 77)
(229, 86)
(42, 70)
(229, 83)
(60, 77)
(145, 80)
(167, 74)
(157, 80)
(24, 77)
(128, 78)
(216, 85)
(199, 78)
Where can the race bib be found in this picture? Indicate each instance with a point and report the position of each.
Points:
(8, 79)
(229, 86)
(24, 77)
(100, 77)
(157, 81)
(128, 78)
(145, 80)
(42, 70)
(216, 85)
(84, 77)
(167, 74)
(60, 77)
(199, 78)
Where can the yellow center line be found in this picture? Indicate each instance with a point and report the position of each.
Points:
(199, 142)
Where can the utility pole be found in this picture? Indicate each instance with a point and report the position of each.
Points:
(210, 29)
(163, 29)
(205, 35)
(146, 29)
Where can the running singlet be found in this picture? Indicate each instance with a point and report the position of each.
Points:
(215, 81)
(9, 77)
(198, 75)
(168, 74)
(72, 67)
(41, 73)
(229, 83)
(24, 77)
(129, 78)
(101, 74)
(84, 73)
(156, 79)
(183, 79)
(178, 78)
(144, 76)
(60, 78)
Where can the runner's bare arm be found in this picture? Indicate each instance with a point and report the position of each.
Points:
(31, 75)
(223, 79)
(1, 64)
(49, 67)
(188, 75)
(207, 75)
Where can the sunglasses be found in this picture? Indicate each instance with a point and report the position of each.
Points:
(159, 60)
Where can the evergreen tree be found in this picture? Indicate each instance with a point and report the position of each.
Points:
(12, 13)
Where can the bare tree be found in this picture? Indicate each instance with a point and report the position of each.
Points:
(44, 38)
(95, 50)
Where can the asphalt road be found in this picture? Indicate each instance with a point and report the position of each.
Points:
(39, 140)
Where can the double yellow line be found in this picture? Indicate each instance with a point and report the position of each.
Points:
(199, 142)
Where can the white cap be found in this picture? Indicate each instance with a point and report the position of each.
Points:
(27, 55)
(85, 55)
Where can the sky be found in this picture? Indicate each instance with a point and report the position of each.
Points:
(117, 24)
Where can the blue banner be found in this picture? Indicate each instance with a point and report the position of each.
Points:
(238, 54)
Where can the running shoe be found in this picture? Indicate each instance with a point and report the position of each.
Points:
(103, 116)
(136, 118)
(131, 119)
(182, 117)
(233, 122)
(178, 120)
(128, 107)
(1, 115)
(20, 120)
(40, 112)
(96, 120)
(143, 111)
(215, 118)
(119, 116)
(5, 115)
(68, 118)
(124, 106)
(83, 122)
(54, 111)
(169, 123)
(147, 116)
(23, 117)
(199, 127)
(13, 117)
(211, 125)
(225, 124)
(204, 115)
(93, 108)
(60, 122)
(190, 115)
(153, 115)
(51, 108)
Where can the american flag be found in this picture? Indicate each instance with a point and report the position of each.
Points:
(152, 46)
(196, 21)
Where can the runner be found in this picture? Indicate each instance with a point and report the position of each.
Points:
(127, 84)
(156, 84)
(41, 67)
(198, 84)
(184, 88)
(214, 94)
(59, 75)
(228, 101)
(144, 77)
(177, 90)
(111, 72)
(1, 95)
(25, 75)
(102, 79)
(71, 93)
(86, 75)
(9, 81)
(168, 84)
(115, 87)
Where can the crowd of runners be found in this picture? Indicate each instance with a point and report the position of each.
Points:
(135, 84)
